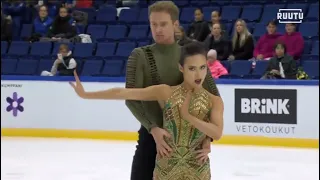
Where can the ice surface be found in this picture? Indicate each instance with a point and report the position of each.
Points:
(69, 159)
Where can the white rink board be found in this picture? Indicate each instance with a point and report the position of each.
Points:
(54, 105)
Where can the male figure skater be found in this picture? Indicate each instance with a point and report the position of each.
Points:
(151, 65)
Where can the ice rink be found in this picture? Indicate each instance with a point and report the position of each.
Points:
(69, 159)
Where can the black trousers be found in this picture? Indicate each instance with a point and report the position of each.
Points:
(145, 156)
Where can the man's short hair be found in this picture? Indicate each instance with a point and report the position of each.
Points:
(165, 6)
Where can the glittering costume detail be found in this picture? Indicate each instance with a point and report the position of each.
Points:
(185, 139)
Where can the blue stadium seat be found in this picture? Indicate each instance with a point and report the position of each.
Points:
(309, 29)
(142, 3)
(181, 3)
(226, 64)
(106, 49)
(251, 13)
(91, 13)
(16, 22)
(8, 66)
(4, 47)
(27, 67)
(19, 48)
(201, 3)
(229, 28)
(207, 11)
(307, 47)
(240, 67)
(261, 67)
(138, 32)
(124, 70)
(26, 31)
(116, 32)
(312, 69)
(281, 28)
(125, 48)
(81, 28)
(91, 67)
(98, 4)
(298, 6)
(143, 16)
(96, 31)
(315, 48)
(113, 68)
(230, 13)
(187, 15)
(45, 65)
(41, 49)
(128, 16)
(106, 15)
(56, 48)
(83, 50)
(250, 26)
(259, 30)
(143, 43)
(270, 12)
(313, 13)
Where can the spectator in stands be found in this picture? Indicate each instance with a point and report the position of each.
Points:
(64, 65)
(53, 6)
(180, 36)
(215, 18)
(199, 29)
(282, 65)
(6, 27)
(293, 41)
(242, 42)
(265, 47)
(217, 42)
(215, 66)
(63, 26)
(41, 24)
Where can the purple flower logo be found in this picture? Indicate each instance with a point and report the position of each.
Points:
(15, 104)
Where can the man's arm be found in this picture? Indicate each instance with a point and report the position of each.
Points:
(210, 85)
(135, 79)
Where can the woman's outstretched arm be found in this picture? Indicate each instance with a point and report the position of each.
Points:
(152, 93)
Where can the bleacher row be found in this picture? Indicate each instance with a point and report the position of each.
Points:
(106, 59)
(255, 15)
(250, 13)
(102, 33)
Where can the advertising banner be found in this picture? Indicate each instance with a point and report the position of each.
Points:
(250, 110)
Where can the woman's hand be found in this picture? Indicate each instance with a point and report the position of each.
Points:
(260, 57)
(78, 88)
(231, 58)
(274, 71)
(57, 61)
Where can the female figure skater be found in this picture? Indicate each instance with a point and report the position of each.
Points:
(190, 115)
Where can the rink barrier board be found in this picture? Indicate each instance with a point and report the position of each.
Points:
(122, 79)
(133, 136)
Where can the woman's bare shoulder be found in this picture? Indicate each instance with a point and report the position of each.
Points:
(165, 91)
(216, 99)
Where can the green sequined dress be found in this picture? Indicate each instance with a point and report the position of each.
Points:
(185, 139)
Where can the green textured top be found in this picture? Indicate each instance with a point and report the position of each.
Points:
(161, 67)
